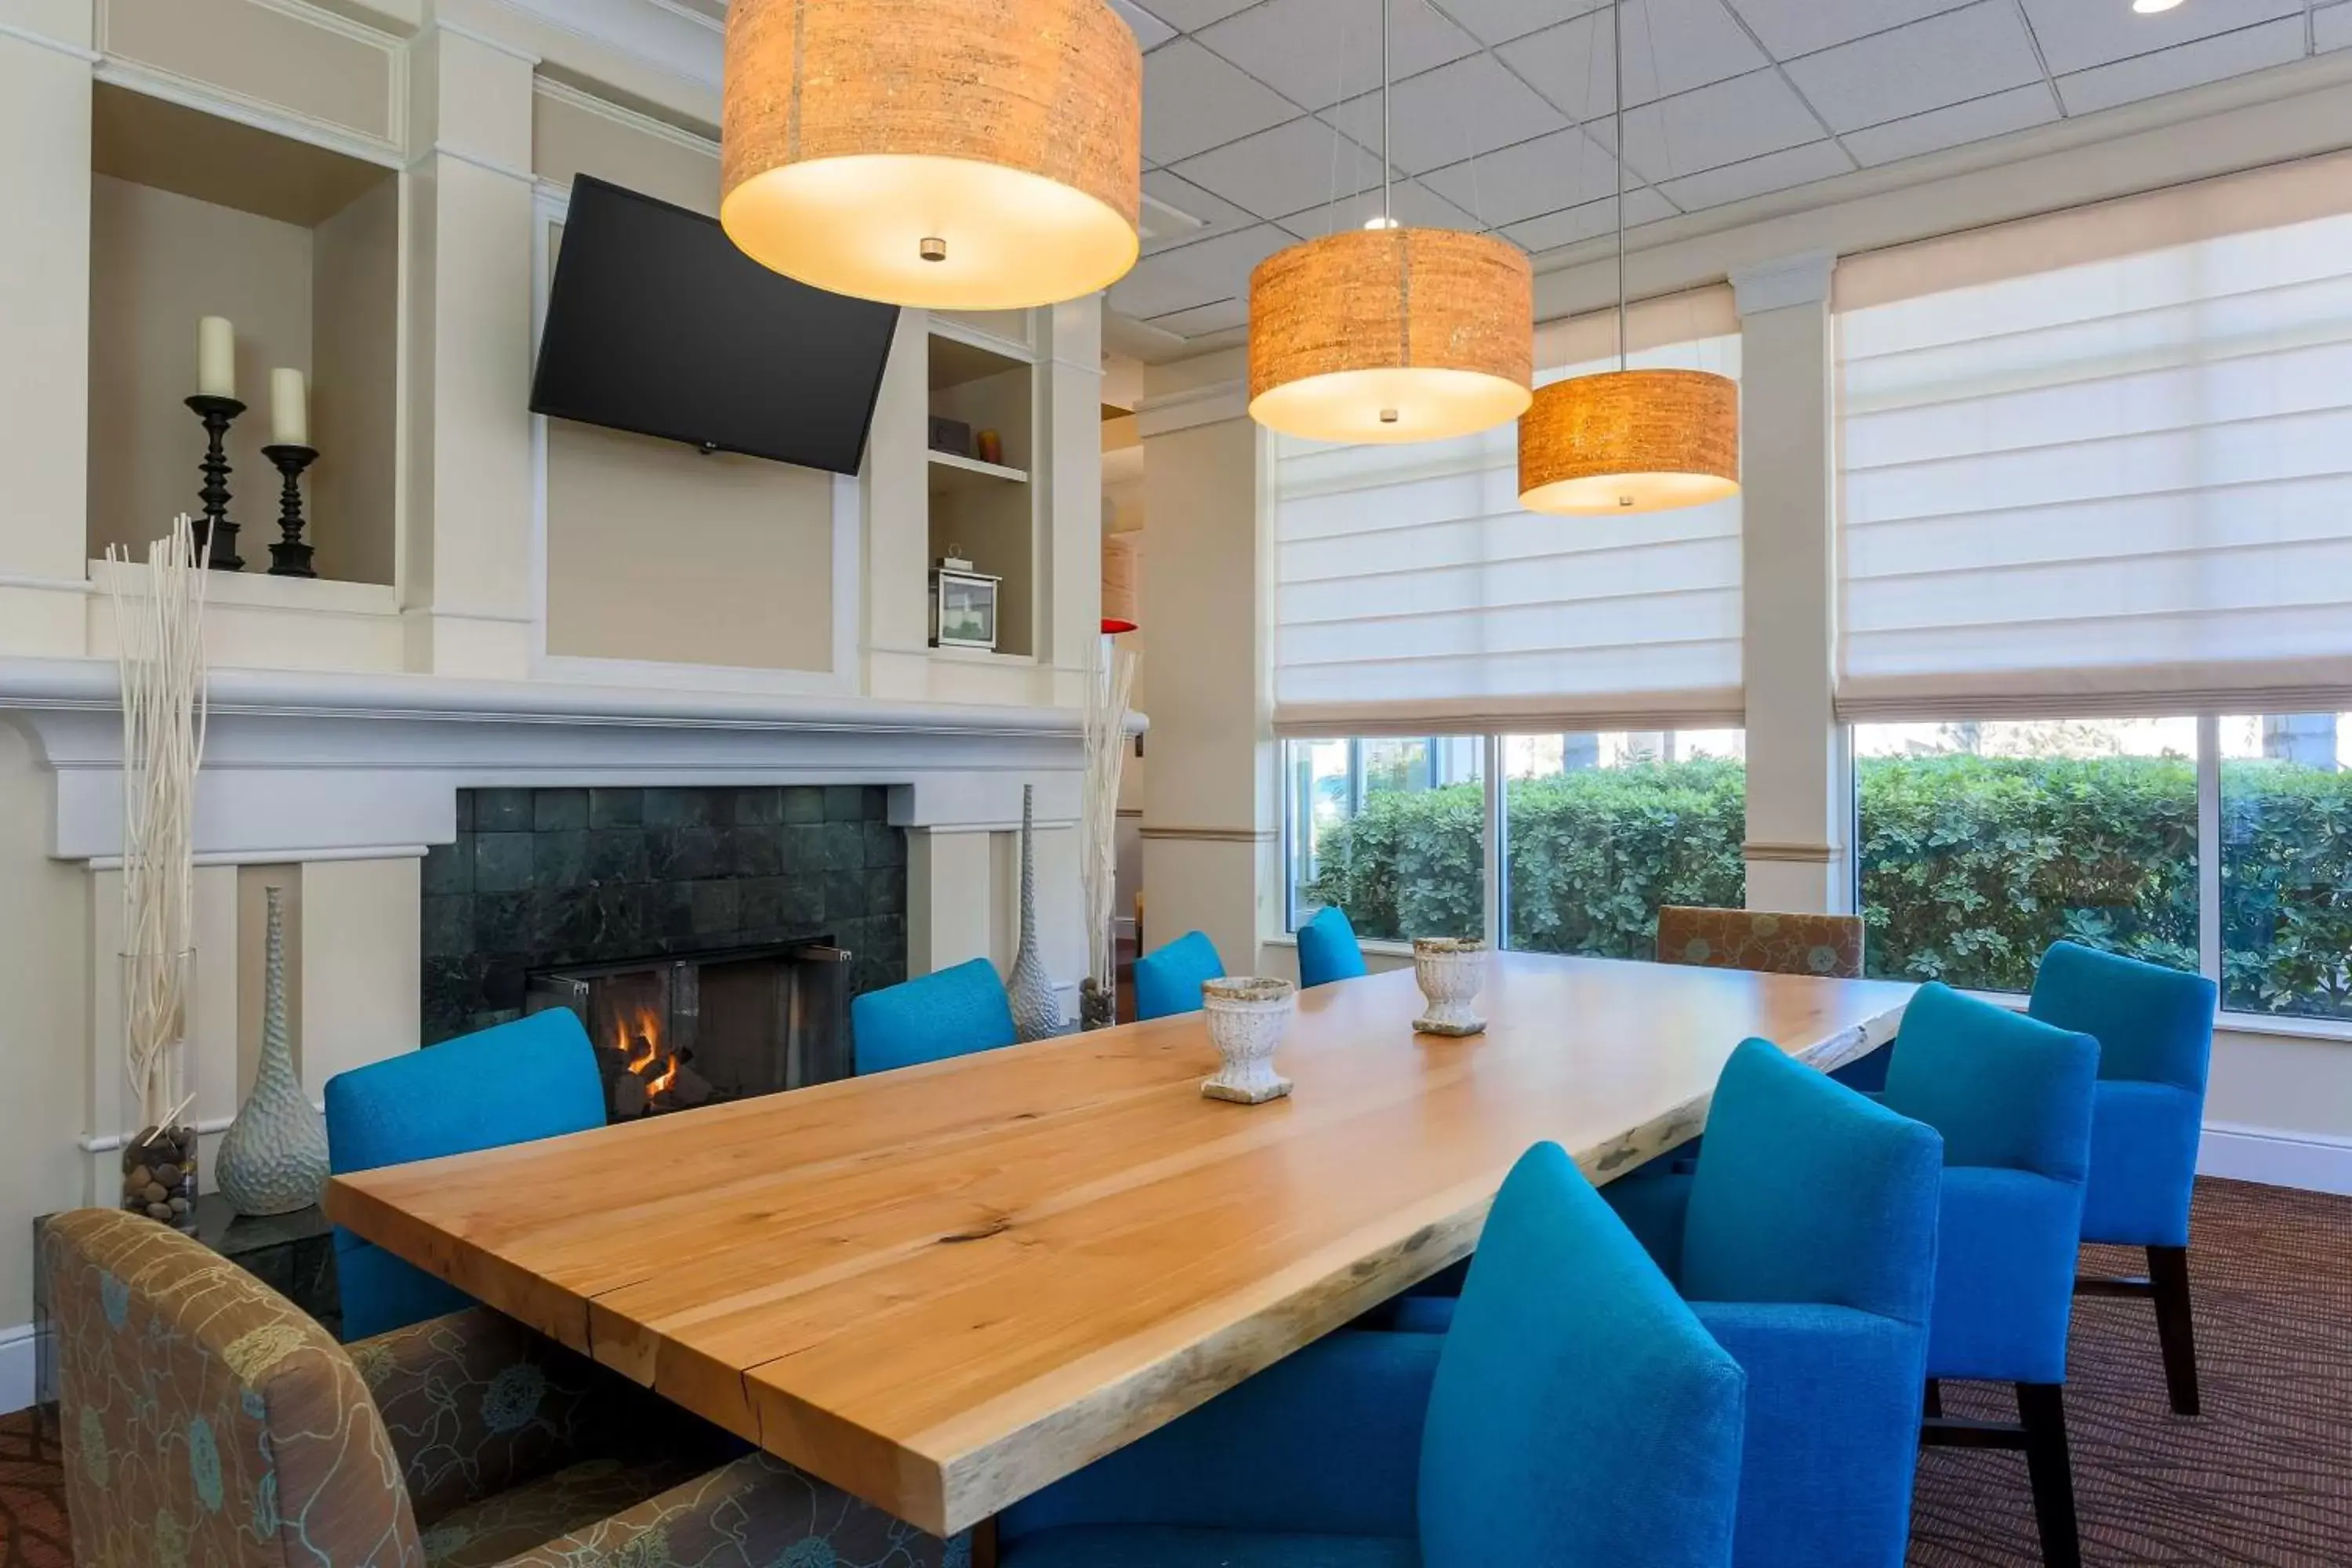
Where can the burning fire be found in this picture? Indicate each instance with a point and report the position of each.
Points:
(640, 1041)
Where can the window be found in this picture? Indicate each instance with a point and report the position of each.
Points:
(1595, 830)
(1412, 596)
(1600, 829)
(1392, 831)
(1981, 843)
(2287, 864)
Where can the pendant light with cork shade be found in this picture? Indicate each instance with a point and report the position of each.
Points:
(1390, 334)
(979, 156)
(1628, 440)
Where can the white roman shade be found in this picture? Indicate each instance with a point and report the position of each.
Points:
(1413, 596)
(2119, 484)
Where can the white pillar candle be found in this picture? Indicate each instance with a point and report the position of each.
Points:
(289, 408)
(215, 357)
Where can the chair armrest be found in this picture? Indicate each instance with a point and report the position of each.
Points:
(477, 1404)
(756, 1508)
(1833, 1406)
(1326, 1442)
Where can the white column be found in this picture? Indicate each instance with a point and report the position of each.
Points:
(45, 80)
(1211, 854)
(1069, 417)
(1799, 792)
(465, 565)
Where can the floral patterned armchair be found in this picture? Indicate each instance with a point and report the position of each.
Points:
(209, 1423)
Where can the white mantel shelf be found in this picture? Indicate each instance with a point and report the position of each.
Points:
(300, 765)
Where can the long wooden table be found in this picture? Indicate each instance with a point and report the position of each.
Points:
(944, 1288)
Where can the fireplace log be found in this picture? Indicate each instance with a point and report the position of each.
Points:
(628, 1098)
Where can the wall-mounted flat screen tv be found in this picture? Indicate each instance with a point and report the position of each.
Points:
(656, 325)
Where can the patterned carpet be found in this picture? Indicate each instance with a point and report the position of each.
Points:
(2263, 1478)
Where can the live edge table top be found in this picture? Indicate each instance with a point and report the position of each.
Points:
(944, 1287)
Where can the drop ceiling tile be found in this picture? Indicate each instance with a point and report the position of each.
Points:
(2077, 35)
(2331, 27)
(1194, 274)
(1746, 117)
(1187, 15)
(2183, 65)
(1500, 21)
(1453, 113)
(1553, 172)
(1319, 52)
(1150, 30)
(1670, 46)
(1793, 27)
(1217, 215)
(1954, 125)
(1948, 58)
(1192, 101)
(1553, 230)
(1759, 176)
(1413, 203)
(1285, 170)
(1201, 320)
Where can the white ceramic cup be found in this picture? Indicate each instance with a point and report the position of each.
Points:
(1247, 1018)
(1450, 972)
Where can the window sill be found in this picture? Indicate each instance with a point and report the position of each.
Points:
(1380, 946)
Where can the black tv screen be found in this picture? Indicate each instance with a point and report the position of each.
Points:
(658, 324)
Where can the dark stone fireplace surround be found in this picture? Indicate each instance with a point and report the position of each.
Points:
(540, 877)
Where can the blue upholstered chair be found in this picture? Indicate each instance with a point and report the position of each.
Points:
(532, 1079)
(1168, 979)
(951, 1013)
(2012, 1095)
(1328, 949)
(2155, 1029)
(1805, 1242)
(1576, 1413)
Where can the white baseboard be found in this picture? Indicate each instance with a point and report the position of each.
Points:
(2310, 1160)
(16, 1363)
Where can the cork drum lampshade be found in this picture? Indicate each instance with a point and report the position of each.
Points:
(1386, 335)
(980, 155)
(1630, 440)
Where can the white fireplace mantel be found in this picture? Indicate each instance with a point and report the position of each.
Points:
(326, 766)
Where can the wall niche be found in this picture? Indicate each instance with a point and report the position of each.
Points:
(299, 246)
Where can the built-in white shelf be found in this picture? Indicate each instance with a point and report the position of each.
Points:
(974, 466)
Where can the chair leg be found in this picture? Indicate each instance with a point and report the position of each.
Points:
(1935, 1401)
(2041, 1409)
(2176, 1326)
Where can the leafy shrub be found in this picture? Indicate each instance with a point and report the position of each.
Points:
(1970, 866)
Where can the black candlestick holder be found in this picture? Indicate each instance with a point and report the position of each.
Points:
(218, 532)
(290, 557)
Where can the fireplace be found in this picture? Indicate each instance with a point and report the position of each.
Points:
(675, 1033)
(710, 910)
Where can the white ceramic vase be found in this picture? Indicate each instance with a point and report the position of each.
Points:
(1247, 1018)
(1036, 1008)
(1450, 972)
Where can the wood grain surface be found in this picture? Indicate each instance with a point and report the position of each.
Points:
(944, 1288)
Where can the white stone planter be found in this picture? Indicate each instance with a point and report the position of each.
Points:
(1450, 972)
(1247, 1017)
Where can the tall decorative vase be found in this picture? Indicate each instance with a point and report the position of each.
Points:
(1037, 1011)
(273, 1160)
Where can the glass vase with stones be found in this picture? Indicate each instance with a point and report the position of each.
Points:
(159, 1161)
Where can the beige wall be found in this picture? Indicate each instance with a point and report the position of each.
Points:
(44, 969)
(158, 263)
(354, 396)
(655, 552)
(572, 135)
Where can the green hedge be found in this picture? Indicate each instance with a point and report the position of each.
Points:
(1970, 866)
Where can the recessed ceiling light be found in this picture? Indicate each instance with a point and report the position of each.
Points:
(2150, 7)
